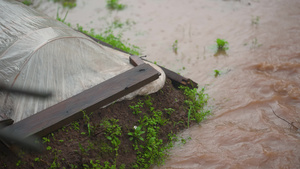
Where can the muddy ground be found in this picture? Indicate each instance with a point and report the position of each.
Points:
(74, 146)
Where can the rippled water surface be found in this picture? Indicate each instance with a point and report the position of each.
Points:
(260, 73)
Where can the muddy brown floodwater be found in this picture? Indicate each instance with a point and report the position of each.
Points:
(260, 73)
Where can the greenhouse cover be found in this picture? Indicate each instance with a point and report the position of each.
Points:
(40, 54)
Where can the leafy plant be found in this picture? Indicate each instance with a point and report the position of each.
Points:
(222, 44)
(45, 139)
(18, 163)
(136, 108)
(37, 159)
(48, 148)
(196, 102)
(217, 72)
(137, 134)
(114, 5)
(175, 46)
(90, 127)
(75, 125)
(112, 131)
(84, 151)
(152, 150)
(169, 111)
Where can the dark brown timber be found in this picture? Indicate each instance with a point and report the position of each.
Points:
(135, 60)
(178, 79)
(69, 110)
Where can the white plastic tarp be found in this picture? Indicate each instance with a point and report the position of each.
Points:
(41, 54)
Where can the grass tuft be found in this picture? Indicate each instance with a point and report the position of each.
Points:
(114, 5)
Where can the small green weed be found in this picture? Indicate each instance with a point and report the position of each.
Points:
(114, 5)
(48, 148)
(84, 151)
(137, 134)
(137, 108)
(75, 125)
(59, 18)
(196, 102)
(18, 163)
(222, 44)
(112, 132)
(37, 159)
(169, 111)
(255, 20)
(90, 127)
(45, 139)
(217, 72)
(175, 46)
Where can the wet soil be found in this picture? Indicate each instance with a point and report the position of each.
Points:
(65, 149)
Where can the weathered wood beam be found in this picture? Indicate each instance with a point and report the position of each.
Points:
(69, 110)
(178, 79)
(135, 60)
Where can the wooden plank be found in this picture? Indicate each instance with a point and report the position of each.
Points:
(135, 60)
(6, 122)
(69, 110)
(178, 79)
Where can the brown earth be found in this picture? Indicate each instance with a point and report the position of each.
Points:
(65, 143)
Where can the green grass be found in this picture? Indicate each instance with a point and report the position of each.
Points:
(114, 5)
(109, 37)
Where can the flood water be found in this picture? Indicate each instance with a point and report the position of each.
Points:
(260, 73)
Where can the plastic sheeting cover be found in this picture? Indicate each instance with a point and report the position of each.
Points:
(38, 53)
